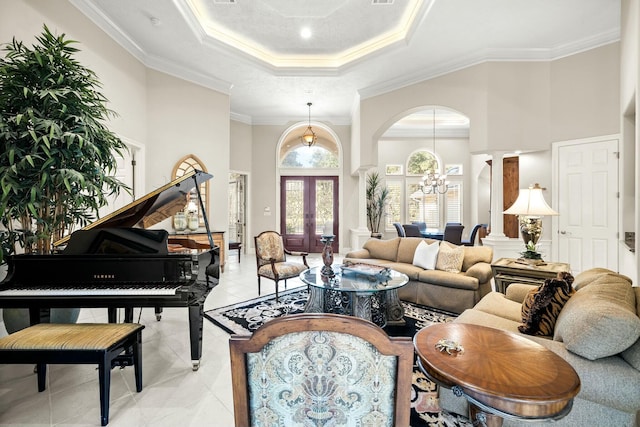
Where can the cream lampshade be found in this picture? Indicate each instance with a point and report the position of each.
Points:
(530, 207)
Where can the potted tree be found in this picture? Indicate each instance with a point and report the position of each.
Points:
(377, 196)
(57, 157)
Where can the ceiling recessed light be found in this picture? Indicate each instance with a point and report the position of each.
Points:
(305, 33)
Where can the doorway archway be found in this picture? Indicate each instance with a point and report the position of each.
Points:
(309, 187)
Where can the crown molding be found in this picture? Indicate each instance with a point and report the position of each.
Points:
(242, 118)
(168, 67)
(91, 11)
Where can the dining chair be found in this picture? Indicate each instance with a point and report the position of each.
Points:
(399, 229)
(321, 369)
(271, 259)
(471, 241)
(453, 233)
(411, 230)
(421, 225)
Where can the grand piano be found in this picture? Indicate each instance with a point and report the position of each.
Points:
(118, 261)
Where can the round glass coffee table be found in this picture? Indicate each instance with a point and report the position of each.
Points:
(368, 293)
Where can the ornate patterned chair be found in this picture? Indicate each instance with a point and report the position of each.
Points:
(271, 258)
(321, 369)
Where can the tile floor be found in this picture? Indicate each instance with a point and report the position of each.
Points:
(173, 394)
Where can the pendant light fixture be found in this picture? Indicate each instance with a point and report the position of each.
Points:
(309, 137)
(432, 181)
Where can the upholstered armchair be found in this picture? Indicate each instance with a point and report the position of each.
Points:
(321, 369)
(271, 258)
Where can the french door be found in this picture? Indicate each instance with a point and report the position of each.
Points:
(309, 206)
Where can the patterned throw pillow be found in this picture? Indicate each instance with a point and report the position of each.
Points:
(541, 306)
(450, 258)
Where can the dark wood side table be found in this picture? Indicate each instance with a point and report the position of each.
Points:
(509, 270)
(502, 374)
(218, 240)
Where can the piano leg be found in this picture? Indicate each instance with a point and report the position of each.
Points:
(128, 315)
(34, 315)
(196, 317)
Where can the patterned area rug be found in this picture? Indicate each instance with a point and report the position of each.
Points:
(246, 317)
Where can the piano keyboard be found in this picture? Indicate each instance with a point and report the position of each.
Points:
(129, 290)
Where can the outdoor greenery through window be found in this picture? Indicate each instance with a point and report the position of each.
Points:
(421, 162)
(295, 207)
(324, 204)
(310, 157)
(409, 203)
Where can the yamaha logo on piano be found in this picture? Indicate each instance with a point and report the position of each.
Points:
(104, 276)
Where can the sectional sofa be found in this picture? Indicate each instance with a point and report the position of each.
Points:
(597, 332)
(447, 288)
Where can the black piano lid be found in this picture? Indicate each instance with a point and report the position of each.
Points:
(152, 208)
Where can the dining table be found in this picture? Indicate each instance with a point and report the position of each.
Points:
(432, 233)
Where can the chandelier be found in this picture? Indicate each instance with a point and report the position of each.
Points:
(309, 137)
(432, 182)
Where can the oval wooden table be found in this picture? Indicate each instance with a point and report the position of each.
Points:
(503, 375)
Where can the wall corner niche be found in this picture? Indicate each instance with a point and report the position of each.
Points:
(185, 165)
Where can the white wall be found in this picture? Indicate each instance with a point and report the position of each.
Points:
(184, 118)
(122, 76)
(512, 106)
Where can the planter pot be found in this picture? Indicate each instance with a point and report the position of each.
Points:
(18, 318)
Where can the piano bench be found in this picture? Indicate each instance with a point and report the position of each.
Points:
(89, 343)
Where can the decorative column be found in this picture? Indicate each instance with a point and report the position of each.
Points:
(361, 234)
(497, 220)
(497, 239)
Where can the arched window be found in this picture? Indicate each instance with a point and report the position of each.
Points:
(409, 203)
(309, 157)
(421, 162)
(185, 165)
(432, 140)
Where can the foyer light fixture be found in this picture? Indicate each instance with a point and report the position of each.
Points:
(309, 137)
(432, 181)
(530, 207)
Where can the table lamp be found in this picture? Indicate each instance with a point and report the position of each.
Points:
(530, 208)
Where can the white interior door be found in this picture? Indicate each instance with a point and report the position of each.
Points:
(588, 204)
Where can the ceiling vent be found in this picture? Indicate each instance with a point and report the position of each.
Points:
(224, 1)
(381, 1)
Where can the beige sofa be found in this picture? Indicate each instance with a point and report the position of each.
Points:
(445, 290)
(597, 332)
